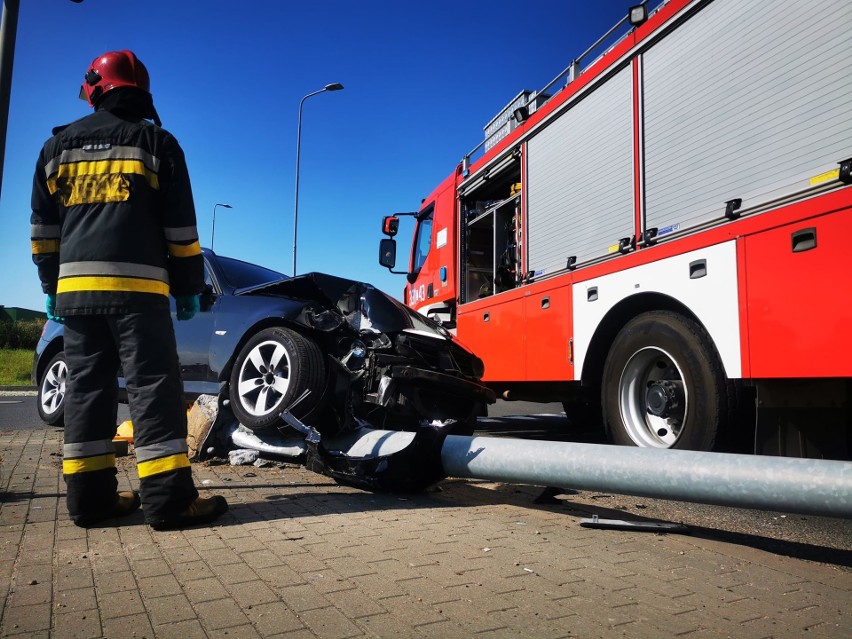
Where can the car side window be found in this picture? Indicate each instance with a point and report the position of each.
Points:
(209, 280)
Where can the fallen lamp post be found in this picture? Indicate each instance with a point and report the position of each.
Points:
(412, 460)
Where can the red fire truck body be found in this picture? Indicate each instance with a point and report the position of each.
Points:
(667, 236)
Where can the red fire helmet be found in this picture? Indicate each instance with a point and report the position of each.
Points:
(112, 70)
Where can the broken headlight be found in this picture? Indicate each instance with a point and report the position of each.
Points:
(356, 357)
(326, 320)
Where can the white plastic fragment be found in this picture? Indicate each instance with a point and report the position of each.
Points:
(242, 457)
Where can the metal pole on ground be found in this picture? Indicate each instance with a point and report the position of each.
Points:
(786, 484)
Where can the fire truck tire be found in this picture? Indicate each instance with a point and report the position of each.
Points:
(663, 385)
(271, 371)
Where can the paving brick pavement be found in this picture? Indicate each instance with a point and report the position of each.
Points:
(300, 556)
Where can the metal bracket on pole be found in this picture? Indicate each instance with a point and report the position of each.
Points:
(312, 435)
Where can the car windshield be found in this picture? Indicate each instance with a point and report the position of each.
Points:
(244, 275)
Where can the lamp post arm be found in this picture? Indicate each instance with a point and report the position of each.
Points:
(298, 155)
(213, 231)
(335, 86)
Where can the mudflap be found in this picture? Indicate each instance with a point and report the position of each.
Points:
(412, 468)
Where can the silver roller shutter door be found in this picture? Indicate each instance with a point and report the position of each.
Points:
(580, 179)
(745, 102)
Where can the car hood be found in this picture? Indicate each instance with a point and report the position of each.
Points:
(362, 305)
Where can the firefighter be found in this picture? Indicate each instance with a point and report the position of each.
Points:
(113, 234)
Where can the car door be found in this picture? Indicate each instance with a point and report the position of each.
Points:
(193, 339)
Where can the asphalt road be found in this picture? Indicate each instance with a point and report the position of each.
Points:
(823, 539)
(18, 412)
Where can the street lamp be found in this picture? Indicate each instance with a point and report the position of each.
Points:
(8, 35)
(336, 86)
(213, 232)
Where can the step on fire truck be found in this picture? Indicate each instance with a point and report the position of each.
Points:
(662, 239)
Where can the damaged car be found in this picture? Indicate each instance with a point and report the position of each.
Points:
(333, 353)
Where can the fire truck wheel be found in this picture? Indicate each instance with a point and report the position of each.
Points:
(271, 371)
(663, 385)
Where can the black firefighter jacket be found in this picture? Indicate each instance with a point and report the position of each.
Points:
(113, 222)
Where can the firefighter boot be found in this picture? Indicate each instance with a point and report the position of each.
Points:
(126, 502)
(202, 511)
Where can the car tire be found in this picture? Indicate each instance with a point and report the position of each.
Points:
(270, 372)
(664, 385)
(51, 391)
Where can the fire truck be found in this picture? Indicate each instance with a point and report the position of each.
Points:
(660, 239)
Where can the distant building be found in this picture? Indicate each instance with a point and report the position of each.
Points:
(15, 314)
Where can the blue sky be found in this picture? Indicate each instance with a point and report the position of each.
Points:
(421, 81)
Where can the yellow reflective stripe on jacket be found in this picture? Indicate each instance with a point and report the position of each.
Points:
(162, 465)
(103, 167)
(184, 250)
(45, 246)
(104, 283)
(88, 464)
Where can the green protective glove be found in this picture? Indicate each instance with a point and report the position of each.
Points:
(51, 308)
(187, 306)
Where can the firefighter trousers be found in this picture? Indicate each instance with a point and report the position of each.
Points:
(143, 344)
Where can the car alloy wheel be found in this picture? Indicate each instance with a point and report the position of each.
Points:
(274, 368)
(51, 391)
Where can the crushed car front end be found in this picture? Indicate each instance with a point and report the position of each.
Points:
(388, 366)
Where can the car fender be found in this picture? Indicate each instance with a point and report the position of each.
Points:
(241, 317)
(49, 344)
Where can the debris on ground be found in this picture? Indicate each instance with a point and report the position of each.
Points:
(637, 526)
(243, 457)
(199, 422)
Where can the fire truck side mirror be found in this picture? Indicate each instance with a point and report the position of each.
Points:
(387, 252)
(390, 225)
